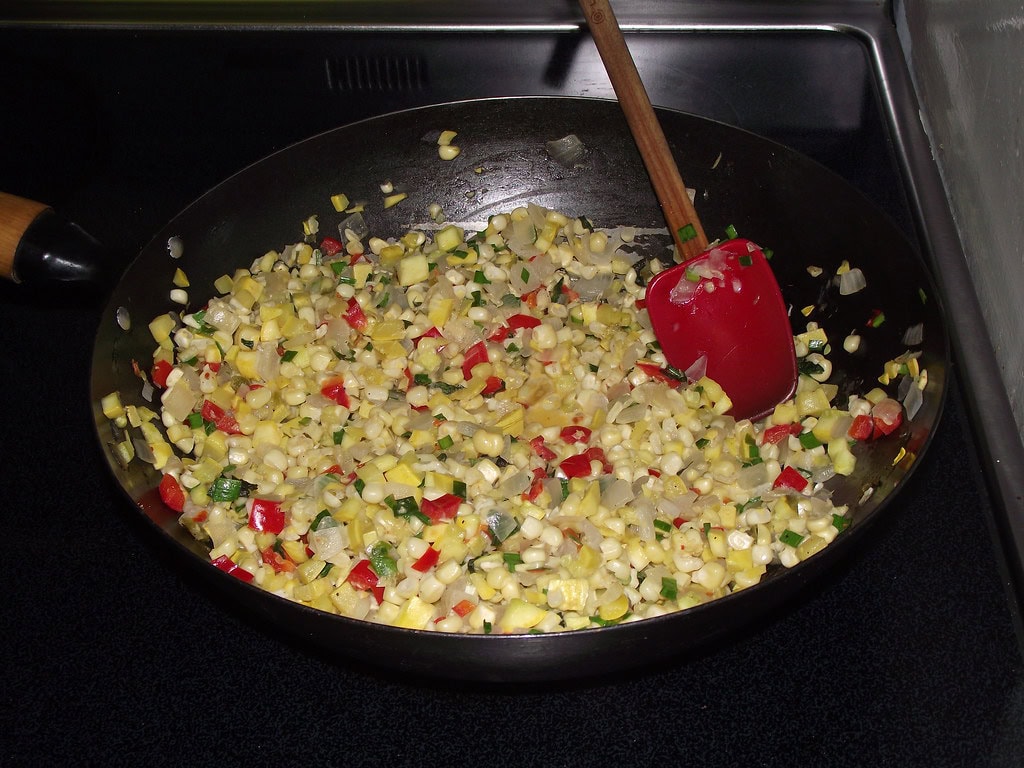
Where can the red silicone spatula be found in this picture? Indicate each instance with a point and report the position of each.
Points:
(721, 310)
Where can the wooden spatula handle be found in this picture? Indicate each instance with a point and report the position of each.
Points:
(643, 123)
(16, 216)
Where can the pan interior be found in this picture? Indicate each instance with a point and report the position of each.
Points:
(805, 214)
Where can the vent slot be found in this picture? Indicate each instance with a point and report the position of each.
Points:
(376, 74)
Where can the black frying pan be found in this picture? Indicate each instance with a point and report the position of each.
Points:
(774, 196)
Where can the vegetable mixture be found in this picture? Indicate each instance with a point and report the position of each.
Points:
(477, 432)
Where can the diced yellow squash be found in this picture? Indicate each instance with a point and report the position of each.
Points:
(445, 483)
(421, 438)
(162, 453)
(591, 500)
(246, 283)
(816, 337)
(449, 238)
(223, 284)
(810, 545)
(843, 460)
(111, 406)
(483, 589)
(415, 614)
(361, 271)
(413, 269)
(748, 577)
(388, 330)
(161, 328)
(520, 615)
(267, 433)
(313, 592)
(584, 564)
(811, 402)
(739, 560)
(245, 362)
(439, 310)
(384, 463)
(403, 473)
(310, 568)
(785, 413)
(717, 542)
(569, 594)
(391, 255)
(296, 552)
(832, 425)
(614, 609)
(346, 597)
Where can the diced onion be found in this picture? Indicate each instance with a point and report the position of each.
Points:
(851, 282)
(567, 151)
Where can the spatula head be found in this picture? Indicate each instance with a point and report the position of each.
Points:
(725, 306)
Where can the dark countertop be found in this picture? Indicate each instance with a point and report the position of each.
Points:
(906, 656)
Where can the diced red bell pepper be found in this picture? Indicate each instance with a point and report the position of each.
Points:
(161, 369)
(475, 355)
(530, 297)
(569, 293)
(863, 428)
(887, 416)
(790, 478)
(576, 434)
(523, 321)
(537, 486)
(502, 333)
(464, 607)
(542, 450)
(329, 246)
(597, 454)
(779, 432)
(442, 508)
(362, 577)
(658, 374)
(228, 565)
(274, 559)
(432, 333)
(266, 516)
(354, 315)
(171, 493)
(427, 561)
(494, 384)
(334, 389)
(579, 465)
(221, 419)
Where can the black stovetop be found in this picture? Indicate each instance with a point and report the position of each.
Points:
(907, 656)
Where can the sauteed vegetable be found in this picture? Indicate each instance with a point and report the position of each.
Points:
(477, 432)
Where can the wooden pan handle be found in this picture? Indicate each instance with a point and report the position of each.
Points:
(16, 216)
(643, 123)
(39, 248)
